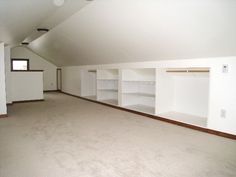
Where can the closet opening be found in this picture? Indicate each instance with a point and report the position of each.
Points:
(183, 94)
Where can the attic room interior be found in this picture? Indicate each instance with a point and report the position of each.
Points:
(117, 88)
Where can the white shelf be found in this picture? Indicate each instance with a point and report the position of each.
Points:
(108, 90)
(107, 79)
(142, 108)
(107, 85)
(138, 89)
(141, 94)
(186, 118)
(110, 101)
(141, 81)
(92, 71)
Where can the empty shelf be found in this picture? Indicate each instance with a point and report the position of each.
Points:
(185, 118)
(110, 101)
(108, 90)
(142, 108)
(108, 79)
(148, 81)
(141, 94)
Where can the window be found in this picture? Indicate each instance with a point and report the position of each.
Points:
(19, 64)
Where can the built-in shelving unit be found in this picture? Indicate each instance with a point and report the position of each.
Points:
(141, 94)
(107, 86)
(89, 84)
(183, 94)
(138, 89)
(180, 94)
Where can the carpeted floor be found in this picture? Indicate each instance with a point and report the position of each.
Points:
(68, 137)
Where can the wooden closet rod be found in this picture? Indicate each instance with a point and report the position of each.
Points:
(190, 70)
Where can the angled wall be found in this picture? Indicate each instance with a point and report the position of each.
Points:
(8, 74)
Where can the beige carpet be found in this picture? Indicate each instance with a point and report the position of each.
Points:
(69, 137)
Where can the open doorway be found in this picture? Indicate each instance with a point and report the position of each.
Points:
(59, 79)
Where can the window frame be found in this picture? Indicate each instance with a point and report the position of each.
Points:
(20, 59)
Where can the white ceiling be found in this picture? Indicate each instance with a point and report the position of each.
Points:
(20, 18)
(114, 31)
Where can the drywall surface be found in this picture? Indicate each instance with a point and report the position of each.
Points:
(164, 92)
(71, 80)
(222, 86)
(88, 83)
(192, 89)
(3, 108)
(223, 97)
(117, 31)
(38, 63)
(27, 86)
(8, 73)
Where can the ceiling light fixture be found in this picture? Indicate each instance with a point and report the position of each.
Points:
(24, 43)
(42, 30)
(58, 2)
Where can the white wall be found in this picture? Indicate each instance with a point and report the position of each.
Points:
(27, 86)
(8, 73)
(164, 91)
(192, 89)
(223, 96)
(222, 93)
(3, 108)
(38, 63)
(88, 83)
(71, 80)
(183, 93)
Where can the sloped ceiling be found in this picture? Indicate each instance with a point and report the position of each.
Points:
(21, 18)
(114, 31)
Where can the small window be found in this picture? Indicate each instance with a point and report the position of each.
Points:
(19, 64)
